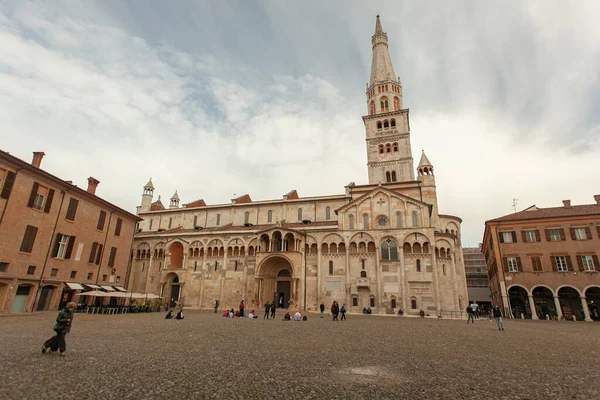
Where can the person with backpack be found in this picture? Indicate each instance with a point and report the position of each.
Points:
(470, 315)
(498, 317)
(62, 327)
(322, 308)
(343, 311)
(267, 309)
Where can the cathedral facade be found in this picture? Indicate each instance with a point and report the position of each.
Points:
(383, 245)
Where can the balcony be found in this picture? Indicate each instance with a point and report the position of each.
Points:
(362, 283)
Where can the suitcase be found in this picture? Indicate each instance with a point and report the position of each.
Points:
(48, 343)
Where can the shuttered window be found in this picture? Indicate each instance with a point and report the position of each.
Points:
(101, 220)
(63, 246)
(93, 253)
(536, 264)
(72, 210)
(28, 239)
(99, 254)
(118, 227)
(8, 185)
(111, 258)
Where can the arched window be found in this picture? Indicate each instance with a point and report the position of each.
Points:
(246, 217)
(415, 219)
(327, 213)
(386, 88)
(170, 222)
(235, 266)
(393, 303)
(388, 148)
(379, 125)
(395, 146)
(396, 103)
(330, 267)
(393, 123)
(388, 177)
(299, 214)
(351, 221)
(216, 265)
(218, 219)
(363, 274)
(195, 220)
(372, 108)
(398, 220)
(384, 104)
(380, 149)
(413, 304)
(389, 250)
(393, 176)
(418, 265)
(365, 221)
(386, 124)
(270, 216)
(372, 303)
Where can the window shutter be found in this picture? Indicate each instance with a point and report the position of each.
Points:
(56, 245)
(72, 210)
(596, 265)
(500, 237)
(588, 233)
(569, 265)
(49, 199)
(573, 237)
(111, 258)
(580, 263)
(547, 232)
(519, 266)
(537, 236)
(93, 252)
(505, 264)
(101, 220)
(598, 231)
(34, 190)
(99, 254)
(118, 227)
(70, 247)
(28, 239)
(514, 236)
(523, 236)
(562, 234)
(8, 185)
(554, 266)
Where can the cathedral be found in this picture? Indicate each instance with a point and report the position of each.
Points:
(382, 245)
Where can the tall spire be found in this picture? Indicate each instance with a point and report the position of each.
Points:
(381, 64)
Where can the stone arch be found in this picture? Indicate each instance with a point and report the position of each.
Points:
(518, 297)
(570, 302)
(176, 255)
(237, 240)
(542, 286)
(567, 286)
(420, 237)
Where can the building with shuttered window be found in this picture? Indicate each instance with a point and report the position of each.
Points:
(543, 262)
(56, 238)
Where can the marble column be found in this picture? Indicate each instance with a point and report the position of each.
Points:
(558, 308)
(532, 306)
(586, 310)
(378, 280)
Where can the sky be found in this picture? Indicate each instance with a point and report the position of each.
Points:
(218, 99)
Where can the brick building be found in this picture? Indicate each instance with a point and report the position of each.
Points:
(478, 285)
(54, 237)
(543, 262)
(382, 245)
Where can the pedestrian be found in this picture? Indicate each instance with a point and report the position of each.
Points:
(322, 307)
(179, 314)
(498, 317)
(336, 310)
(343, 311)
(216, 306)
(273, 306)
(422, 314)
(242, 306)
(169, 315)
(281, 301)
(470, 315)
(62, 327)
(267, 310)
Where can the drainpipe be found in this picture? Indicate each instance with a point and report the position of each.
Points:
(103, 247)
(64, 192)
(7, 200)
(305, 267)
(130, 262)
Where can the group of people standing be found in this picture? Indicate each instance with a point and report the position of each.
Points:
(269, 310)
(495, 313)
(336, 310)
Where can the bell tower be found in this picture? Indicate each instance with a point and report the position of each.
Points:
(389, 156)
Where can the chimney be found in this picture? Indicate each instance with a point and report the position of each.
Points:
(567, 203)
(92, 185)
(37, 158)
(597, 198)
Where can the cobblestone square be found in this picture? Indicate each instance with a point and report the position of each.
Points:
(143, 356)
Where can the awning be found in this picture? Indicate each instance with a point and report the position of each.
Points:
(96, 293)
(92, 286)
(74, 286)
(120, 288)
(108, 288)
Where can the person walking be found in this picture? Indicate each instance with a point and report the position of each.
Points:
(498, 317)
(273, 307)
(343, 311)
(242, 306)
(470, 315)
(62, 327)
(267, 310)
(336, 310)
(216, 306)
(322, 307)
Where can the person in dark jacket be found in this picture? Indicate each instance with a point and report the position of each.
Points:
(470, 315)
(169, 315)
(322, 307)
(242, 307)
(62, 327)
(179, 314)
(267, 309)
(497, 313)
(216, 306)
(336, 310)
(273, 307)
(343, 311)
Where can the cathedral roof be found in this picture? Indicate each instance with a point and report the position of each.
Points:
(197, 203)
(380, 189)
(242, 199)
(424, 161)
(381, 63)
(157, 205)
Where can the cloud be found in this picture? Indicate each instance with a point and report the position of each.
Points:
(212, 99)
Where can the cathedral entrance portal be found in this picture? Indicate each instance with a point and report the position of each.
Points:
(275, 282)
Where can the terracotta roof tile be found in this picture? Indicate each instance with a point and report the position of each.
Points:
(197, 203)
(551, 212)
(157, 206)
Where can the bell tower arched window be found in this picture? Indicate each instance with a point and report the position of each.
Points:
(388, 177)
(393, 176)
(372, 108)
(384, 104)
(396, 103)
(327, 213)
